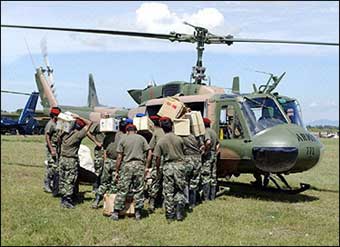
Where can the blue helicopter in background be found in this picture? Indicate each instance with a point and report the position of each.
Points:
(26, 123)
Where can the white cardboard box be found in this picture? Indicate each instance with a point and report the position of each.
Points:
(108, 125)
(181, 127)
(143, 123)
(197, 127)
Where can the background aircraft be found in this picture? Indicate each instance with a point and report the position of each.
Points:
(26, 124)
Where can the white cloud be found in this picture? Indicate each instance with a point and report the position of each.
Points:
(157, 17)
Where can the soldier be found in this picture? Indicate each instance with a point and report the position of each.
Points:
(97, 137)
(51, 137)
(193, 148)
(108, 183)
(155, 189)
(69, 160)
(208, 171)
(171, 147)
(132, 149)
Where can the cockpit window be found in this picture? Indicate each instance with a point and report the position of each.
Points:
(261, 113)
(292, 110)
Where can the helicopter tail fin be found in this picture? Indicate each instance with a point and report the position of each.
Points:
(92, 98)
(236, 85)
(47, 97)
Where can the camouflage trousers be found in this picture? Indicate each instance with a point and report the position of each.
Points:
(107, 181)
(131, 178)
(208, 171)
(98, 161)
(193, 165)
(51, 165)
(174, 183)
(68, 172)
(156, 184)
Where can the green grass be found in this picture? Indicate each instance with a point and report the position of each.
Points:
(244, 216)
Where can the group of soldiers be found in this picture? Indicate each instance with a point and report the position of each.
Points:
(182, 169)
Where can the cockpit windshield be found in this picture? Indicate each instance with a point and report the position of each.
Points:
(261, 113)
(292, 110)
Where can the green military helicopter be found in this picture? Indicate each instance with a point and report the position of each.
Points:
(261, 133)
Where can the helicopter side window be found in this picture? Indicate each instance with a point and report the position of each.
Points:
(230, 127)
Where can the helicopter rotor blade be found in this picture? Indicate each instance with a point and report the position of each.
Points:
(230, 39)
(97, 31)
(173, 36)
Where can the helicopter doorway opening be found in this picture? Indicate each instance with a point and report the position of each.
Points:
(194, 106)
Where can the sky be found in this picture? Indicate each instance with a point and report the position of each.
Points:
(121, 63)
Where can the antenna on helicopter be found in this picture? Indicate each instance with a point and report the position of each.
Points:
(29, 51)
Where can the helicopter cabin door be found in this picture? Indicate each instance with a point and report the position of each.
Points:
(231, 134)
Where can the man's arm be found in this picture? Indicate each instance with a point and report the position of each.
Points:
(158, 164)
(93, 139)
(86, 121)
(49, 144)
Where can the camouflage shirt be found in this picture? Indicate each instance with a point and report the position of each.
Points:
(70, 143)
(191, 145)
(171, 147)
(157, 134)
(212, 136)
(133, 147)
(95, 131)
(51, 130)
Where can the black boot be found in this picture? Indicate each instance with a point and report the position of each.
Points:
(212, 192)
(47, 185)
(152, 205)
(180, 212)
(138, 213)
(66, 202)
(55, 187)
(95, 204)
(169, 217)
(192, 199)
(206, 191)
(115, 215)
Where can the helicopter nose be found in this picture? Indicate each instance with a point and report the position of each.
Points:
(275, 150)
(275, 159)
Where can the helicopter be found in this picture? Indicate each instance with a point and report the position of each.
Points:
(260, 133)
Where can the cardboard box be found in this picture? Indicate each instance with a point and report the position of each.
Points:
(143, 123)
(181, 127)
(172, 108)
(109, 201)
(108, 125)
(197, 127)
(65, 122)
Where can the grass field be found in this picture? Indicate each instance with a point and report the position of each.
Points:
(244, 216)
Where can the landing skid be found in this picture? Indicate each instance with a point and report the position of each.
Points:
(287, 189)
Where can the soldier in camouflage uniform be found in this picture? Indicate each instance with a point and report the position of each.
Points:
(155, 189)
(97, 137)
(51, 137)
(208, 171)
(171, 147)
(132, 149)
(108, 183)
(193, 148)
(69, 160)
